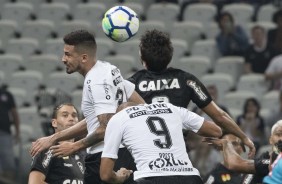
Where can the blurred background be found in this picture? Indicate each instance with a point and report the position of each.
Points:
(234, 47)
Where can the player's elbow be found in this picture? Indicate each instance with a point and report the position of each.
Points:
(105, 177)
(210, 129)
(232, 166)
(216, 131)
(100, 132)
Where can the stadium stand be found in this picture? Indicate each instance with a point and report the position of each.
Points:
(197, 65)
(31, 45)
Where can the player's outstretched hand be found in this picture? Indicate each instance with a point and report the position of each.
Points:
(217, 143)
(123, 174)
(63, 149)
(40, 145)
(251, 146)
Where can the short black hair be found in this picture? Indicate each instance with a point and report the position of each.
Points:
(58, 107)
(81, 38)
(156, 50)
(276, 15)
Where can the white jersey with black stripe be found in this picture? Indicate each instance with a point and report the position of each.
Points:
(153, 135)
(103, 90)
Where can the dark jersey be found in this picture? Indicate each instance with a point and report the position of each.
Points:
(64, 170)
(221, 175)
(172, 85)
(261, 167)
(6, 104)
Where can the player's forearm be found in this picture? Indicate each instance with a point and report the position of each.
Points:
(76, 130)
(113, 177)
(235, 162)
(92, 139)
(222, 119)
(96, 136)
(227, 123)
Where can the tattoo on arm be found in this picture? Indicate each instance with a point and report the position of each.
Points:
(104, 119)
(98, 135)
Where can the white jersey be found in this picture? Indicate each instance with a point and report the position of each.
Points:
(153, 135)
(103, 90)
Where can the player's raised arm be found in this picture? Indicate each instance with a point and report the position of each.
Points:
(232, 160)
(43, 143)
(210, 129)
(223, 120)
(92, 139)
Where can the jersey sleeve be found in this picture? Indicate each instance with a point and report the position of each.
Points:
(129, 88)
(261, 164)
(113, 137)
(210, 178)
(199, 93)
(190, 120)
(132, 79)
(42, 162)
(247, 179)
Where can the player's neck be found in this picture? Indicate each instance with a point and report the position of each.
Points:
(87, 67)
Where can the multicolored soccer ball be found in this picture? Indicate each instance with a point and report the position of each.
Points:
(120, 23)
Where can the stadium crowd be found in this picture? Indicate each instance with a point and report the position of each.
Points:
(229, 58)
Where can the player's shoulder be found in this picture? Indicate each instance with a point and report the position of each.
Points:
(177, 70)
(180, 73)
(44, 157)
(139, 73)
(120, 117)
(100, 71)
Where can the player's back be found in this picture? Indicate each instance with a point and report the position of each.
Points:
(174, 86)
(153, 135)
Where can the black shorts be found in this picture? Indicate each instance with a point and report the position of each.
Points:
(93, 161)
(171, 180)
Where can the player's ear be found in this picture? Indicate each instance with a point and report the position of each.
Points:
(144, 63)
(54, 123)
(84, 58)
(270, 140)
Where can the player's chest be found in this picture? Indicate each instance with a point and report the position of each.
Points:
(69, 165)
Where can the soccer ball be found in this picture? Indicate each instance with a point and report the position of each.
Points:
(120, 23)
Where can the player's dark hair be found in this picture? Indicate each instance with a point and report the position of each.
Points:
(58, 107)
(276, 15)
(156, 50)
(81, 38)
